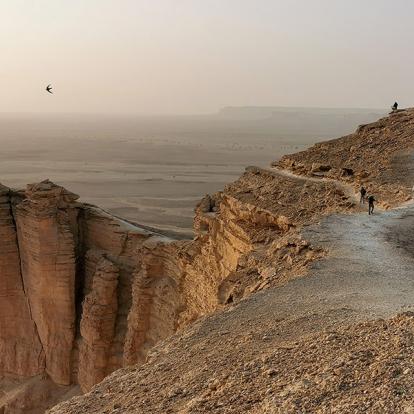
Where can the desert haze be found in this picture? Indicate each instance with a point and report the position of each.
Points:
(154, 170)
(206, 207)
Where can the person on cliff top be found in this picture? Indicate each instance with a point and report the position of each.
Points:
(363, 193)
(371, 200)
(395, 106)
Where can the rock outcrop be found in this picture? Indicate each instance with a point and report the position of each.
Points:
(97, 293)
(46, 232)
(21, 352)
(377, 155)
(85, 293)
(97, 327)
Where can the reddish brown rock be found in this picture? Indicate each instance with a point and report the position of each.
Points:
(157, 300)
(97, 326)
(45, 225)
(21, 352)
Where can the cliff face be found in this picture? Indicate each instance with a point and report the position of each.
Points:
(294, 347)
(46, 233)
(21, 353)
(95, 293)
(85, 293)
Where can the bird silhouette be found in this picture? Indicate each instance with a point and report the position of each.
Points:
(49, 88)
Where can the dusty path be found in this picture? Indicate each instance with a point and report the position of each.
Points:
(370, 265)
(347, 189)
(368, 274)
(369, 271)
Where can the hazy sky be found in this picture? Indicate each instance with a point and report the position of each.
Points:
(192, 56)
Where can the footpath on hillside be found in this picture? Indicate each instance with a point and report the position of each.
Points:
(368, 273)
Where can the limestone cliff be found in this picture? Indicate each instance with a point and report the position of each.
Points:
(21, 352)
(85, 293)
(46, 233)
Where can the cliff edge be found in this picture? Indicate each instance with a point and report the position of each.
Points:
(91, 293)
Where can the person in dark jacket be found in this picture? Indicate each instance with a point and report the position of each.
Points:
(363, 193)
(395, 106)
(371, 200)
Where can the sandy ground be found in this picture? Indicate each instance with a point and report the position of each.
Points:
(154, 182)
(368, 272)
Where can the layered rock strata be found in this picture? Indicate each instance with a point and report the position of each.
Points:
(97, 293)
(87, 293)
(21, 352)
(47, 232)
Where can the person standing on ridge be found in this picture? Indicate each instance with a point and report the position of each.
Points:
(363, 193)
(395, 106)
(371, 200)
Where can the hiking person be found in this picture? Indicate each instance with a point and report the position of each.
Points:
(371, 200)
(363, 193)
(395, 106)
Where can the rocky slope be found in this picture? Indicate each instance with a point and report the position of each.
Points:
(87, 293)
(363, 368)
(377, 155)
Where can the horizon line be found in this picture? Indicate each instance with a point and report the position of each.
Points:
(193, 114)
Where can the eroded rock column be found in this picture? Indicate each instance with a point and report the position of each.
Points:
(21, 353)
(98, 324)
(47, 239)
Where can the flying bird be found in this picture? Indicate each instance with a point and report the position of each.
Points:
(49, 88)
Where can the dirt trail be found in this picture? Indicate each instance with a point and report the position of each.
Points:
(368, 272)
(347, 189)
